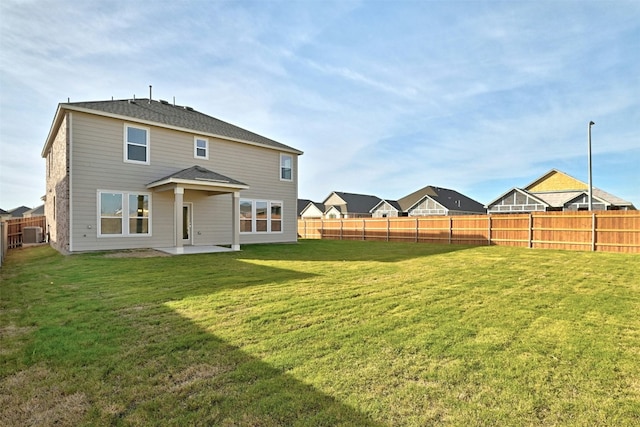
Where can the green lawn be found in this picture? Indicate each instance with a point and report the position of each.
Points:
(321, 333)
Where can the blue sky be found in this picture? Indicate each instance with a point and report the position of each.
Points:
(383, 97)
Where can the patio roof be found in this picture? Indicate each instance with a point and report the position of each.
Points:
(198, 178)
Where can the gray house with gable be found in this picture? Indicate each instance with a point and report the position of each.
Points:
(429, 200)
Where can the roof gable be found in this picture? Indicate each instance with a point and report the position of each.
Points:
(449, 199)
(355, 203)
(408, 201)
(386, 205)
(583, 197)
(555, 180)
(306, 205)
(506, 196)
(424, 204)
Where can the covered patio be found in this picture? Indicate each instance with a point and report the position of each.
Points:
(200, 179)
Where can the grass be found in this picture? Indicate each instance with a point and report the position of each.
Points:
(321, 333)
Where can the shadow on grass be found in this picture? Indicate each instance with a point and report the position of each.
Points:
(347, 250)
(105, 334)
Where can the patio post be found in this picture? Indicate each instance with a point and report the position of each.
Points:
(179, 202)
(235, 220)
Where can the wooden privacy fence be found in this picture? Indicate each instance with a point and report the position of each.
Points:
(610, 231)
(15, 227)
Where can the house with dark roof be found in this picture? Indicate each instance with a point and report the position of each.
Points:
(429, 200)
(19, 211)
(387, 209)
(556, 191)
(308, 209)
(144, 173)
(349, 205)
(37, 211)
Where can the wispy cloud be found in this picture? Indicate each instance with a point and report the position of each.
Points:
(383, 97)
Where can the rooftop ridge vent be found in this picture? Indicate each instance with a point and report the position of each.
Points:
(131, 101)
(162, 101)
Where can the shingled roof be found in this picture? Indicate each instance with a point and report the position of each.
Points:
(450, 199)
(198, 173)
(303, 203)
(357, 203)
(163, 113)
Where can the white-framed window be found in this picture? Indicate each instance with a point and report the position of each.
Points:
(286, 167)
(200, 148)
(260, 216)
(136, 144)
(123, 213)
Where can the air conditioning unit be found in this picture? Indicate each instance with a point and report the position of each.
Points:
(31, 235)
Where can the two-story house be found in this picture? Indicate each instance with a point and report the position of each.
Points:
(141, 173)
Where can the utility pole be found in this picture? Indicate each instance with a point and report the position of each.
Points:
(590, 180)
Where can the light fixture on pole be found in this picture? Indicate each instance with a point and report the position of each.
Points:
(590, 180)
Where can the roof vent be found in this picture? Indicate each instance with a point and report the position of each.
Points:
(188, 108)
(162, 101)
(132, 101)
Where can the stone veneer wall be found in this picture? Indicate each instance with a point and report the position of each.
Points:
(57, 198)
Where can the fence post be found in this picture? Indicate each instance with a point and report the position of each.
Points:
(364, 226)
(387, 229)
(3, 241)
(417, 230)
(341, 222)
(530, 230)
(593, 232)
(450, 229)
(321, 228)
(489, 233)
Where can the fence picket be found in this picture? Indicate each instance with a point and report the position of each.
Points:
(610, 231)
(16, 225)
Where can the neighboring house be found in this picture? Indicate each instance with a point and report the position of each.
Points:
(142, 173)
(387, 209)
(308, 209)
(556, 191)
(19, 211)
(39, 211)
(4, 214)
(349, 205)
(429, 200)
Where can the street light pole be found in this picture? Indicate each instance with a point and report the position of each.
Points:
(590, 180)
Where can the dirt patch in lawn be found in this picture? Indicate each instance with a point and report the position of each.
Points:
(31, 398)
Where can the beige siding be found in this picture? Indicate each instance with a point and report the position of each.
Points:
(334, 199)
(98, 147)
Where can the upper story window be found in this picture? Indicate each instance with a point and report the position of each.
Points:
(136, 144)
(286, 167)
(201, 148)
